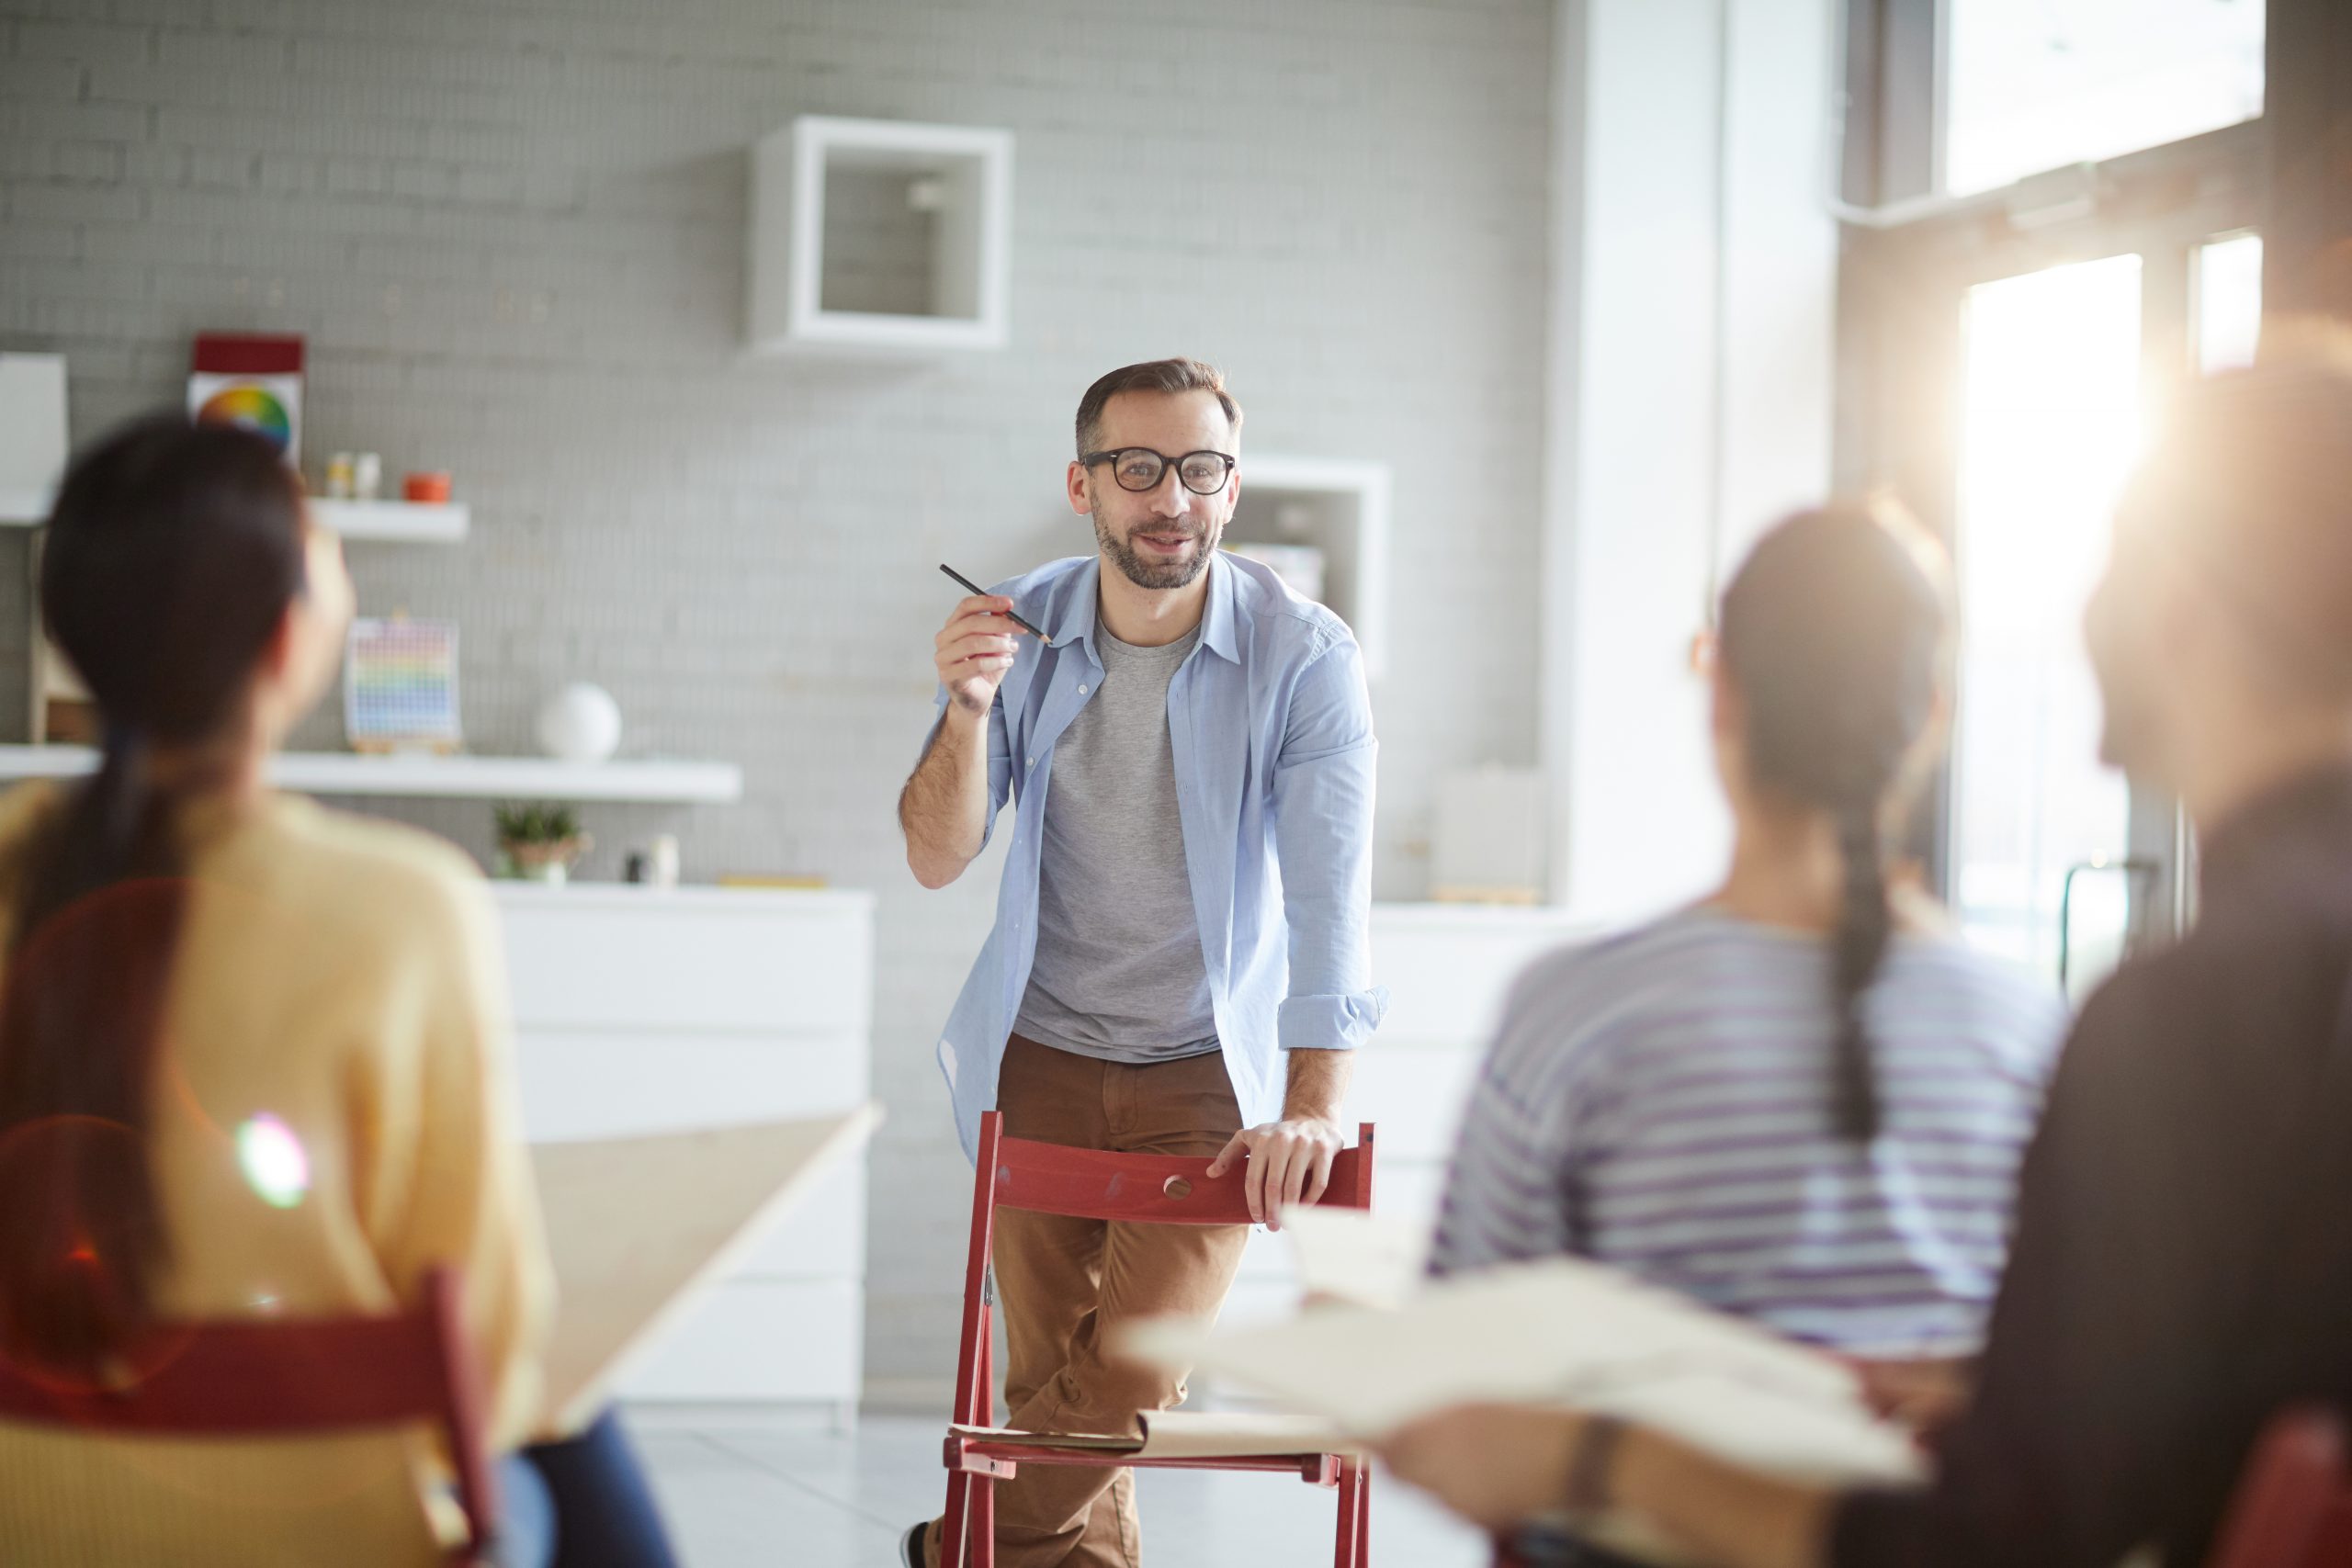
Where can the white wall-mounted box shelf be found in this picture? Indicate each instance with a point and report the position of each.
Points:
(458, 777)
(1338, 507)
(871, 235)
(32, 433)
(395, 521)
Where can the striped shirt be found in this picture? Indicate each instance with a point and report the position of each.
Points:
(1659, 1101)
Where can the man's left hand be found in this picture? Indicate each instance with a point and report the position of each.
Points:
(1290, 1162)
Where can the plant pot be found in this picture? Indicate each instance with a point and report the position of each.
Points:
(547, 862)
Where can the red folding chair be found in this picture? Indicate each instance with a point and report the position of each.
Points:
(278, 1377)
(1049, 1179)
(2293, 1504)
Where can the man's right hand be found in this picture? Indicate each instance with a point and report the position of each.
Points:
(974, 650)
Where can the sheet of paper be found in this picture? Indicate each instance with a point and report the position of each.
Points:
(1352, 1255)
(1565, 1332)
(640, 1228)
(1217, 1433)
(1077, 1442)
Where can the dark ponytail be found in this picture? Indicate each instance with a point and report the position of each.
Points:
(173, 552)
(1835, 635)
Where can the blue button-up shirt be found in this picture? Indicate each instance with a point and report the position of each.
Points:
(1271, 728)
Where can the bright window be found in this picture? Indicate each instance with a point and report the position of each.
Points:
(2051, 426)
(2229, 302)
(2035, 85)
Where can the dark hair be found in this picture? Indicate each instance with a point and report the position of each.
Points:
(1169, 375)
(173, 552)
(1835, 636)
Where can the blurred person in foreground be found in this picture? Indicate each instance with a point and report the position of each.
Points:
(255, 1059)
(2183, 1264)
(1801, 1100)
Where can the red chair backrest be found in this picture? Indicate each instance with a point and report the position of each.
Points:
(1051, 1178)
(2293, 1504)
(285, 1376)
(1167, 1189)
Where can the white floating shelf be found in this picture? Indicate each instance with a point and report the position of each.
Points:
(25, 508)
(879, 236)
(459, 777)
(394, 522)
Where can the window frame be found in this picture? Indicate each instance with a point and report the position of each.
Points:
(1908, 257)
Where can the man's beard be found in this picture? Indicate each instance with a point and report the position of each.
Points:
(1153, 574)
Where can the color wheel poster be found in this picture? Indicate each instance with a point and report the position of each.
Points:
(270, 405)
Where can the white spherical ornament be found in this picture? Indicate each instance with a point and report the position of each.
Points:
(580, 724)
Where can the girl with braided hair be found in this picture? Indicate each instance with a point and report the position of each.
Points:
(1797, 1101)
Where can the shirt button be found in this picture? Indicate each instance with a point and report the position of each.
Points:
(1081, 690)
(1031, 762)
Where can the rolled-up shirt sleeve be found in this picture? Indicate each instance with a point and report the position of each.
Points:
(1322, 802)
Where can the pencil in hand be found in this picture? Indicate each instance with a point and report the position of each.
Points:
(1043, 641)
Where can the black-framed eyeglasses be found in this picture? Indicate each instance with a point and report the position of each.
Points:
(1141, 469)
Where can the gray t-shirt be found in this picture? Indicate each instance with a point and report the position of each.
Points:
(1118, 973)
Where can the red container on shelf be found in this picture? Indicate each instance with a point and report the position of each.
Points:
(429, 488)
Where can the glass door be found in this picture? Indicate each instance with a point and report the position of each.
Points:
(2050, 424)
(2052, 859)
(2053, 227)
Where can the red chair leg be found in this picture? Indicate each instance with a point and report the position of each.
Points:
(984, 1521)
(984, 1391)
(1351, 1506)
(952, 1527)
(1363, 1515)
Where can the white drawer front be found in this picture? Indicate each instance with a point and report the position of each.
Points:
(1415, 1096)
(688, 969)
(577, 1086)
(1449, 985)
(759, 1340)
(822, 1238)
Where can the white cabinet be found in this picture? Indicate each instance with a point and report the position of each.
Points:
(644, 1010)
(1448, 968)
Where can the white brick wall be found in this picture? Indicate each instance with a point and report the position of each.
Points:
(511, 234)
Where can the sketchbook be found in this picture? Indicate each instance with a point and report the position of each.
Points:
(1563, 1331)
(1187, 1433)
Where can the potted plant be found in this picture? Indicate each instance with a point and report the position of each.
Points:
(539, 843)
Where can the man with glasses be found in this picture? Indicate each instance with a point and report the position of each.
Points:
(1178, 965)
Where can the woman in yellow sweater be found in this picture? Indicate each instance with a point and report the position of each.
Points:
(253, 1056)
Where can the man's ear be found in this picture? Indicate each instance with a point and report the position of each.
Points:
(278, 653)
(1726, 715)
(1079, 501)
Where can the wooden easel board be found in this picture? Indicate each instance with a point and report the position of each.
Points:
(640, 1228)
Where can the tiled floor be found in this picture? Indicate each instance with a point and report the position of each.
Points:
(741, 1490)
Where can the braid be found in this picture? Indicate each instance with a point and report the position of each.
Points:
(1834, 632)
(1864, 923)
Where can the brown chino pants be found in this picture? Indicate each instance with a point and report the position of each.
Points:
(1063, 1284)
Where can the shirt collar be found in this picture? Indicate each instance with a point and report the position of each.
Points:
(1077, 620)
